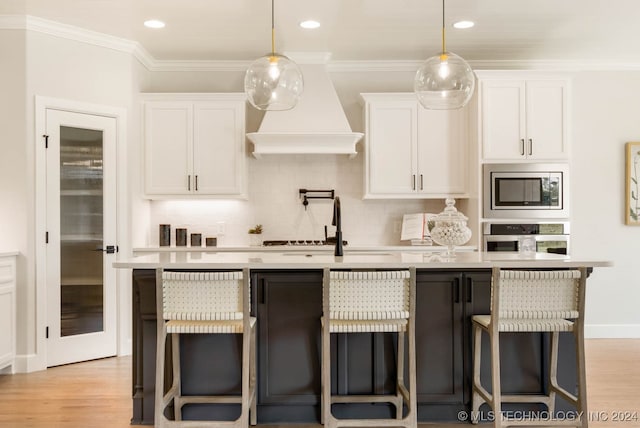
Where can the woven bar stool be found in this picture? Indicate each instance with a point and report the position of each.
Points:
(361, 302)
(532, 301)
(203, 303)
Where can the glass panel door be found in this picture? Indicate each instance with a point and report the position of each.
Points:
(81, 224)
(81, 231)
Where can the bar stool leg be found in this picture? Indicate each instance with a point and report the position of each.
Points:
(477, 352)
(252, 379)
(159, 392)
(176, 386)
(326, 376)
(582, 375)
(553, 372)
(243, 421)
(496, 393)
(399, 375)
(413, 383)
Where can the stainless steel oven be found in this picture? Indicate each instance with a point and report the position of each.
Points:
(526, 191)
(552, 237)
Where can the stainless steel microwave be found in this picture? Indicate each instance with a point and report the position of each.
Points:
(526, 191)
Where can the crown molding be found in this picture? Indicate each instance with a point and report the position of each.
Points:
(218, 65)
(57, 29)
(373, 66)
(542, 65)
(79, 34)
(70, 32)
(554, 65)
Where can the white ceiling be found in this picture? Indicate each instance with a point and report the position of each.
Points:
(361, 30)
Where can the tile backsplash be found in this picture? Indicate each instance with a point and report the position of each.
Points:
(274, 202)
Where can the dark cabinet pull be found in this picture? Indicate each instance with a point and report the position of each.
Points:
(109, 249)
(196, 183)
(456, 290)
(530, 146)
(522, 146)
(421, 182)
(189, 183)
(469, 290)
(413, 184)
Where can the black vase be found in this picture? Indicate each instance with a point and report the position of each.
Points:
(165, 235)
(181, 237)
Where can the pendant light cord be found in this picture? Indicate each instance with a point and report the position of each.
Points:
(273, 31)
(444, 47)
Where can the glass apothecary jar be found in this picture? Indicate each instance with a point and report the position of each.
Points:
(450, 228)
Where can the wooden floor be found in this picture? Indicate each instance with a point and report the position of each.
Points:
(97, 394)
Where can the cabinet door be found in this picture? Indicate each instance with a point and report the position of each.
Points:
(168, 144)
(439, 343)
(7, 311)
(503, 116)
(289, 311)
(546, 114)
(441, 152)
(390, 152)
(218, 148)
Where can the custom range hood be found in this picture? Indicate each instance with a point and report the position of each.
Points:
(316, 125)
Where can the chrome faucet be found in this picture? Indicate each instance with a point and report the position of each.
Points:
(337, 222)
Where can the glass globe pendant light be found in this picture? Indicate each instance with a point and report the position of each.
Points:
(444, 81)
(273, 81)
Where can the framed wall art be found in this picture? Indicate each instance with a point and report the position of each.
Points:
(632, 177)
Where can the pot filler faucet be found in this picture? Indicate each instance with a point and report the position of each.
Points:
(337, 222)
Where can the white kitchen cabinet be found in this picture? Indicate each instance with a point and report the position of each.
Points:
(412, 152)
(7, 310)
(524, 119)
(194, 145)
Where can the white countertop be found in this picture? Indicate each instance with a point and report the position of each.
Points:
(311, 259)
(9, 253)
(303, 248)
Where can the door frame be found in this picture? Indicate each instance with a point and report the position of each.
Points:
(42, 104)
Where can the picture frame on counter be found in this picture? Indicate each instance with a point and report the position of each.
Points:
(632, 185)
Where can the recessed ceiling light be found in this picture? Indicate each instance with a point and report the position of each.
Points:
(154, 23)
(463, 24)
(310, 24)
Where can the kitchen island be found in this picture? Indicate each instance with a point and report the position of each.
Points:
(287, 300)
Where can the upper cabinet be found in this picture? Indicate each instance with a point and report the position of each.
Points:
(195, 145)
(412, 152)
(524, 118)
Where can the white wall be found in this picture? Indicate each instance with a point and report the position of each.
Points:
(605, 117)
(43, 65)
(14, 185)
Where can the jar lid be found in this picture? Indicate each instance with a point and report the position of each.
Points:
(450, 213)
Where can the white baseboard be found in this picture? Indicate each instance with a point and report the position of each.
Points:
(126, 348)
(29, 363)
(612, 331)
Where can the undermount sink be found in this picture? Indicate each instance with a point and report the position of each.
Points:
(366, 253)
(308, 253)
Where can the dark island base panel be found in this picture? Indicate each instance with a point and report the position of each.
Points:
(288, 305)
